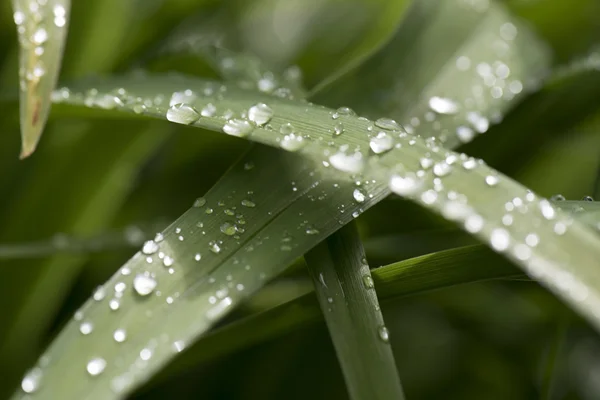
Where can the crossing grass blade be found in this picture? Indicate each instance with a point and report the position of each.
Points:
(346, 295)
(42, 31)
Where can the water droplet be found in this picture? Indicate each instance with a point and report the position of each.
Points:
(86, 328)
(260, 114)
(384, 334)
(146, 354)
(95, 366)
(338, 129)
(588, 198)
(478, 121)
(237, 127)
(144, 284)
(442, 169)
(474, 223)
(442, 105)
(187, 97)
(31, 381)
(405, 185)
(389, 124)
(368, 281)
(248, 203)
(292, 142)
(547, 209)
(99, 293)
(200, 201)
(499, 239)
(381, 143)
(214, 247)
(286, 129)
(40, 36)
(228, 229)
(465, 134)
(120, 335)
(491, 180)
(182, 114)
(310, 230)
(168, 261)
(426, 162)
(351, 163)
(150, 247)
(358, 195)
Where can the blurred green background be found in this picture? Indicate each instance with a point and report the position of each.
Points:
(505, 339)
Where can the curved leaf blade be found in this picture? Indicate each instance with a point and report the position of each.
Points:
(42, 30)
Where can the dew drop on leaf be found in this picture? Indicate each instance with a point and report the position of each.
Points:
(358, 195)
(143, 284)
(389, 124)
(31, 381)
(442, 105)
(381, 143)
(383, 333)
(237, 127)
(182, 114)
(96, 366)
(120, 335)
(260, 114)
(405, 185)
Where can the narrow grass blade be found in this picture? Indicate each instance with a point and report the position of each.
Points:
(478, 70)
(42, 30)
(345, 291)
(410, 277)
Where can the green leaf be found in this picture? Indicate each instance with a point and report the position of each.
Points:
(42, 30)
(478, 70)
(542, 239)
(410, 277)
(346, 295)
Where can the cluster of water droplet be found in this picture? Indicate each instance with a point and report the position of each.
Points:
(35, 24)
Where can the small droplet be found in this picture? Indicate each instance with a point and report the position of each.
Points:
(389, 124)
(248, 203)
(311, 230)
(237, 127)
(168, 261)
(358, 195)
(491, 180)
(145, 354)
(368, 281)
(260, 114)
(208, 110)
(86, 328)
(442, 169)
(214, 247)
(31, 381)
(96, 366)
(99, 293)
(381, 143)
(338, 129)
(200, 202)
(588, 198)
(40, 36)
(198, 257)
(443, 105)
(120, 335)
(182, 114)
(228, 229)
(384, 334)
(150, 247)
(558, 197)
(465, 134)
(144, 284)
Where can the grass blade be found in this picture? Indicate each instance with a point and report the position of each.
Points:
(344, 288)
(42, 30)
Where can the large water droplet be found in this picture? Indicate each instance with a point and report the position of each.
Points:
(228, 229)
(150, 247)
(381, 143)
(237, 127)
(143, 284)
(499, 239)
(351, 163)
(405, 185)
(387, 123)
(86, 328)
(442, 105)
(358, 195)
(200, 201)
(442, 169)
(182, 114)
(260, 114)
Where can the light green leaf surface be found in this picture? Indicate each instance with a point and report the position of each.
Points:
(42, 30)
(346, 295)
(545, 241)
